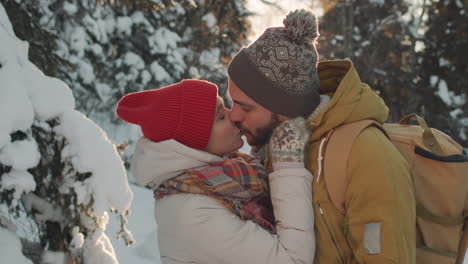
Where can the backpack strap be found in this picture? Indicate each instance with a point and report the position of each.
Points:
(429, 140)
(336, 156)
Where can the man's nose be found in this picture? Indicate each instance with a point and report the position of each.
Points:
(235, 115)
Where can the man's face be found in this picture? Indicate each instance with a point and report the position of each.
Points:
(255, 121)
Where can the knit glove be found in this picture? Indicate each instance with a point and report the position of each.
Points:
(287, 142)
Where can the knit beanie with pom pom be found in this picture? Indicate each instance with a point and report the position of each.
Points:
(279, 69)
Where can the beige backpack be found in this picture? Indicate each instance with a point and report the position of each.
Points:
(440, 176)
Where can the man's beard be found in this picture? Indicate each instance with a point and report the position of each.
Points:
(262, 134)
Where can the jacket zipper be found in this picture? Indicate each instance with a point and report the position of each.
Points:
(331, 234)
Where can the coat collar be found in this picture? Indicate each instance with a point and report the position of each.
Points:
(156, 162)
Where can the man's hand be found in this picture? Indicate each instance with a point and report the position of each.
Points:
(288, 140)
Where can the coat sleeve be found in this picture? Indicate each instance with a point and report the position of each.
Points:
(213, 234)
(380, 205)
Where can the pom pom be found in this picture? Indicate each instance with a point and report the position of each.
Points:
(301, 26)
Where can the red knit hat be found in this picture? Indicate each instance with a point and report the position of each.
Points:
(183, 111)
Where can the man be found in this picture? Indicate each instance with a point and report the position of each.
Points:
(276, 78)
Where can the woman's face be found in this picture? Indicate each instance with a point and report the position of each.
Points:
(225, 136)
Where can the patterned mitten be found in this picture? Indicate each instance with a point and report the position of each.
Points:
(288, 140)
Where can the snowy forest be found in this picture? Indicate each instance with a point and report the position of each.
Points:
(66, 195)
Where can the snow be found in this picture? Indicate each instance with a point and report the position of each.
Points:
(70, 8)
(462, 135)
(86, 72)
(194, 73)
(377, 2)
(108, 24)
(465, 259)
(179, 9)
(141, 222)
(94, 27)
(62, 49)
(109, 185)
(20, 181)
(455, 114)
(444, 93)
(159, 73)
(145, 77)
(133, 60)
(210, 57)
(48, 96)
(104, 91)
(210, 20)
(379, 71)
(433, 80)
(77, 40)
(51, 257)
(10, 246)
(124, 25)
(77, 241)
(81, 190)
(15, 113)
(458, 100)
(98, 249)
(176, 59)
(9, 225)
(21, 155)
(139, 18)
(95, 49)
(44, 210)
(163, 41)
(419, 46)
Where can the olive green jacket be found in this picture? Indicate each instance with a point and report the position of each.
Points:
(379, 221)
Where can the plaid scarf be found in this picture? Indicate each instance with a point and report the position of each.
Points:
(239, 182)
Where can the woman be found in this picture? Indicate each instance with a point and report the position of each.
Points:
(210, 202)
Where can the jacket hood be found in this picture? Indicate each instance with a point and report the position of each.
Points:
(153, 163)
(351, 100)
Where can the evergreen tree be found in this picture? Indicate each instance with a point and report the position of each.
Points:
(374, 35)
(404, 50)
(444, 69)
(53, 164)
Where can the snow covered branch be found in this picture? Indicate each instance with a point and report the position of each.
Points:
(124, 232)
(45, 211)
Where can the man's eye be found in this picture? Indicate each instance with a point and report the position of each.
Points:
(245, 109)
(221, 117)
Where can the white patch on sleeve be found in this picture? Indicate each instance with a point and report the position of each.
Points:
(372, 238)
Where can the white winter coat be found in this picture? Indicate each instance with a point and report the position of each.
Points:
(198, 229)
